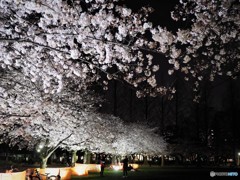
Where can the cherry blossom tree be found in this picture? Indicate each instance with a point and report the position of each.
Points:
(82, 40)
(43, 122)
(32, 119)
(138, 139)
(110, 134)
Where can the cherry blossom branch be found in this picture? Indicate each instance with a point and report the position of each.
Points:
(48, 47)
(79, 143)
(58, 50)
(32, 42)
(132, 47)
(16, 115)
(51, 150)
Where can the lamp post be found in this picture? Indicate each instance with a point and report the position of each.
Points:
(40, 147)
(238, 159)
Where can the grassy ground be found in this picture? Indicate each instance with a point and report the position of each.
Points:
(156, 173)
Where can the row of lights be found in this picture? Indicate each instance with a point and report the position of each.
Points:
(41, 146)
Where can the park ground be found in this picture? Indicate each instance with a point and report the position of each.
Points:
(155, 173)
(162, 173)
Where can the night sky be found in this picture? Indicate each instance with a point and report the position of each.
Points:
(161, 15)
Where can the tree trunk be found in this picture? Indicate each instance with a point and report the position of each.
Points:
(43, 164)
(47, 152)
(74, 158)
(7, 156)
(44, 158)
(115, 98)
(131, 106)
(118, 159)
(206, 115)
(162, 160)
(146, 108)
(162, 115)
(234, 124)
(197, 121)
(6, 150)
(145, 162)
(87, 157)
(176, 108)
(133, 158)
(114, 160)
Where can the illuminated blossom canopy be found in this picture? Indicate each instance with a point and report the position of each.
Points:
(28, 115)
(54, 40)
(82, 41)
(34, 120)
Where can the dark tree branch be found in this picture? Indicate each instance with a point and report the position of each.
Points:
(51, 150)
(14, 115)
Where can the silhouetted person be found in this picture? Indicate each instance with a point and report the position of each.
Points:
(102, 164)
(125, 167)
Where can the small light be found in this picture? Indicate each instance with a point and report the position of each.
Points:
(116, 168)
(38, 150)
(239, 153)
(40, 146)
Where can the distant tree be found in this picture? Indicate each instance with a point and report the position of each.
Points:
(138, 139)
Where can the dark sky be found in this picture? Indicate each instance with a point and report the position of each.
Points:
(162, 14)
